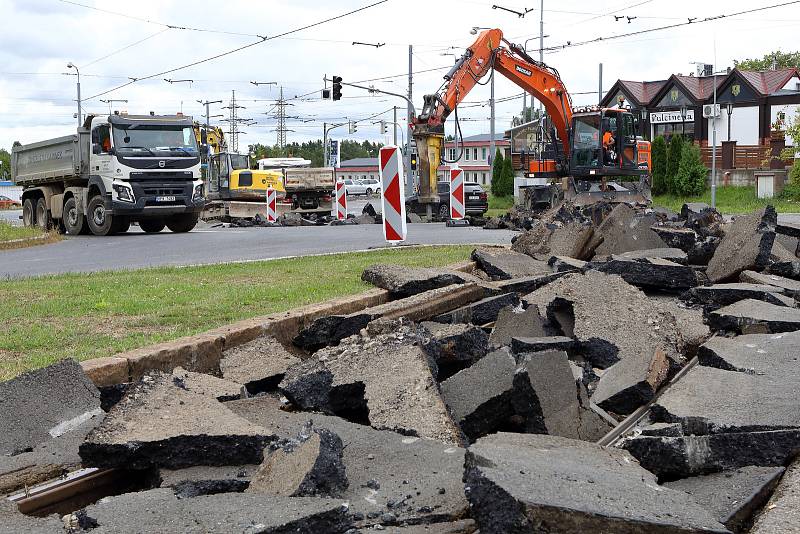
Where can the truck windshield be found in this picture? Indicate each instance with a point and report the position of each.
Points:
(239, 161)
(586, 141)
(155, 140)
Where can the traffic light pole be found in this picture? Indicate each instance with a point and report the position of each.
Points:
(325, 132)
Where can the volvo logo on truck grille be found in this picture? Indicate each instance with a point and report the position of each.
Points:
(162, 163)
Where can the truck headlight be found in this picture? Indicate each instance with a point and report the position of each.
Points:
(198, 192)
(124, 193)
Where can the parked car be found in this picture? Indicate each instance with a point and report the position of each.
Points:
(362, 187)
(7, 203)
(476, 201)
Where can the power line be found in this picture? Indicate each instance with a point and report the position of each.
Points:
(570, 44)
(240, 48)
(125, 47)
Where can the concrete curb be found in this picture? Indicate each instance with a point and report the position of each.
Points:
(202, 352)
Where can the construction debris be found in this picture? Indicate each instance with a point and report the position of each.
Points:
(503, 264)
(624, 230)
(747, 245)
(718, 295)
(218, 388)
(530, 483)
(781, 515)
(482, 312)
(453, 346)
(572, 240)
(787, 285)
(755, 316)
(306, 466)
(12, 521)
(516, 322)
(650, 273)
(160, 423)
(259, 364)
(403, 281)
(380, 379)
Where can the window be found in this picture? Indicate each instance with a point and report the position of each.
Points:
(483, 153)
(453, 153)
(102, 136)
(475, 154)
(245, 179)
(483, 178)
(466, 155)
(223, 172)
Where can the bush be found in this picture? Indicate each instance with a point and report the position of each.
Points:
(658, 155)
(497, 174)
(792, 189)
(692, 174)
(673, 161)
(506, 187)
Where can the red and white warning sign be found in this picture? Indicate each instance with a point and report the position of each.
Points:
(341, 201)
(272, 204)
(394, 198)
(457, 209)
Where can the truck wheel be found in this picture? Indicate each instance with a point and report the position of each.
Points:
(42, 215)
(100, 223)
(28, 213)
(444, 211)
(74, 221)
(152, 226)
(183, 222)
(120, 225)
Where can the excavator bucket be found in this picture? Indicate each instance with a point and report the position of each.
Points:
(584, 193)
(429, 154)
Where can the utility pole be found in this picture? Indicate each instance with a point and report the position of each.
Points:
(234, 121)
(208, 120)
(71, 65)
(281, 116)
(394, 126)
(541, 60)
(600, 84)
(491, 125)
(410, 118)
(324, 144)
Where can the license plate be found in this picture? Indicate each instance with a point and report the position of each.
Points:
(474, 197)
(165, 199)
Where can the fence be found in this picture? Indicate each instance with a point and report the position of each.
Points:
(744, 157)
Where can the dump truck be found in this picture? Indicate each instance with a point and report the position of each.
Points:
(113, 171)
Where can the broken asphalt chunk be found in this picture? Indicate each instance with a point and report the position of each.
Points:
(787, 285)
(503, 264)
(383, 380)
(493, 394)
(482, 312)
(747, 245)
(781, 515)
(719, 295)
(159, 424)
(787, 228)
(650, 273)
(520, 345)
(453, 346)
(160, 511)
(571, 240)
(522, 483)
(787, 269)
(514, 321)
(218, 388)
(258, 364)
(731, 496)
(207, 480)
(306, 466)
(563, 264)
(675, 255)
(12, 521)
(417, 479)
(755, 316)
(624, 230)
(404, 281)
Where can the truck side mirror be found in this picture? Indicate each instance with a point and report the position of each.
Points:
(96, 148)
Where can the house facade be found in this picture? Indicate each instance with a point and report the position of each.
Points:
(475, 158)
(750, 102)
(358, 169)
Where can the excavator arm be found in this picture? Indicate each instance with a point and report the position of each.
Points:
(489, 50)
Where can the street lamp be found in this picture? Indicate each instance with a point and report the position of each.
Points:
(683, 120)
(71, 65)
(111, 101)
(643, 115)
(730, 112)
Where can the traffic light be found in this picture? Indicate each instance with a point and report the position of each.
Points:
(384, 128)
(413, 161)
(326, 94)
(352, 127)
(337, 87)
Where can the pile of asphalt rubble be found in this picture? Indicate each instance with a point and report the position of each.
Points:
(368, 216)
(486, 401)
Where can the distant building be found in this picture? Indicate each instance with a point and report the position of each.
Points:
(358, 169)
(474, 160)
(757, 99)
(10, 190)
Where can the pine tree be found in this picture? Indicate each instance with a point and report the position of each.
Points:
(692, 174)
(658, 155)
(673, 161)
(497, 174)
(507, 183)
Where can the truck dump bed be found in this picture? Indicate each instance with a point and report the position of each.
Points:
(308, 179)
(47, 161)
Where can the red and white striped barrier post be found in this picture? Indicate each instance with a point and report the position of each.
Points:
(272, 205)
(457, 208)
(394, 201)
(341, 201)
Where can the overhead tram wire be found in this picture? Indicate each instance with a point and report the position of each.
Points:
(125, 48)
(240, 48)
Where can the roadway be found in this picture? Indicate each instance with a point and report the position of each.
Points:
(208, 244)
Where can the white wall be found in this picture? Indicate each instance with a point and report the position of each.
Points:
(11, 191)
(744, 126)
(792, 112)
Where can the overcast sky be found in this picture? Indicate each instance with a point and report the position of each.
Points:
(39, 37)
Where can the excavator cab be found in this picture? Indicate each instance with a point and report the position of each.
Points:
(605, 144)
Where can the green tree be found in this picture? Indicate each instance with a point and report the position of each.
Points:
(506, 187)
(780, 60)
(5, 164)
(673, 161)
(658, 155)
(692, 174)
(497, 173)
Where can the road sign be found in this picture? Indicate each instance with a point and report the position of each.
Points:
(457, 208)
(272, 205)
(341, 201)
(394, 201)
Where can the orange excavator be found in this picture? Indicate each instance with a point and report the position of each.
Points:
(592, 154)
